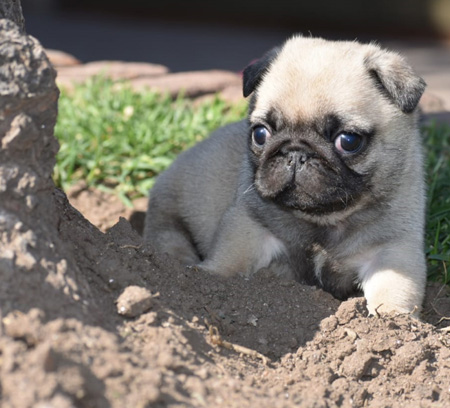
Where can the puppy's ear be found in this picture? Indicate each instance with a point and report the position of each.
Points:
(395, 78)
(254, 72)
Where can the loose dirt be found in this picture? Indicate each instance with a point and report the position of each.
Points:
(201, 340)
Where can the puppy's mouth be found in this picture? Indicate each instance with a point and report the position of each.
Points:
(301, 179)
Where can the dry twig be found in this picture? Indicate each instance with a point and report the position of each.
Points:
(217, 340)
(442, 319)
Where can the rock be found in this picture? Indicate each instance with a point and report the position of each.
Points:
(134, 301)
(433, 109)
(232, 93)
(194, 84)
(112, 69)
(32, 255)
(191, 84)
(431, 103)
(12, 10)
(61, 59)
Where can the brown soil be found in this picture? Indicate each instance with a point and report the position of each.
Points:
(97, 319)
(204, 341)
(103, 209)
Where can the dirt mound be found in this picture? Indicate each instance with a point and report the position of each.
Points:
(93, 319)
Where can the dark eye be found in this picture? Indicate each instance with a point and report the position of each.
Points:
(348, 143)
(260, 135)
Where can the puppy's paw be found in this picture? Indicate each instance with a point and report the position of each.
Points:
(398, 291)
(378, 309)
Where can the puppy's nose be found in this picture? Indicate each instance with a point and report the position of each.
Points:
(295, 157)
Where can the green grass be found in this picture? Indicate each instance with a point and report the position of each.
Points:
(120, 140)
(437, 142)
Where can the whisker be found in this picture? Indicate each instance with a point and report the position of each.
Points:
(250, 188)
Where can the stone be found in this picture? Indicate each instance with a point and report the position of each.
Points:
(31, 249)
(61, 59)
(232, 93)
(115, 70)
(12, 10)
(134, 301)
(431, 103)
(192, 84)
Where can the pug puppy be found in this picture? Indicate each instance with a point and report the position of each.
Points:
(323, 182)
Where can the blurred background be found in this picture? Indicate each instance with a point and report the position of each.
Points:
(200, 34)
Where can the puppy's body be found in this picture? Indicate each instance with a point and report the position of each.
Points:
(298, 203)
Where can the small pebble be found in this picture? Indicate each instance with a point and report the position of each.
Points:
(134, 301)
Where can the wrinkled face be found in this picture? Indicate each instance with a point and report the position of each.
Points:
(325, 136)
(307, 167)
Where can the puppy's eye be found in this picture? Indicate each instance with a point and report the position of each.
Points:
(348, 143)
(260, 134)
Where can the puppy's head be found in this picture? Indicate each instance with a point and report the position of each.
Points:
(332, 125)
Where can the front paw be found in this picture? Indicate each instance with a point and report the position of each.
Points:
(394, 291)
(393, 300)
(377, 309)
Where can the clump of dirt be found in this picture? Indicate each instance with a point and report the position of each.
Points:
(189, 339)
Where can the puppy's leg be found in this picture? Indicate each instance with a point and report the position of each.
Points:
(242, 246)
(167, 235)
(174, 242)
(394, 279)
